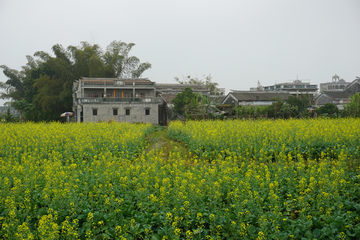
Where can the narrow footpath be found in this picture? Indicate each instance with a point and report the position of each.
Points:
(158, 140)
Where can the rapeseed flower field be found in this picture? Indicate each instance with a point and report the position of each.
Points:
(294, 179)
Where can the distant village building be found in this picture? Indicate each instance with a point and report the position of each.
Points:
(336, 84)
(217, 99)
(219, 91)
(296, 87)
(259, 88)
(263, 98)
(353, 87)
(340, 97)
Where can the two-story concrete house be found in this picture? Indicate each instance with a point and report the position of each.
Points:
(118, 99)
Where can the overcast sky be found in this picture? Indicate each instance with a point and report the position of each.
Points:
(238, 42)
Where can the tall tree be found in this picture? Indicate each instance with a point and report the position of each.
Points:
(13, 86)
(118, 59)
(96, 66)
(80, 57)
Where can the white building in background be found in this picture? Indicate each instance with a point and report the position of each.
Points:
(294, 87)
(340, 97)
(337, 84)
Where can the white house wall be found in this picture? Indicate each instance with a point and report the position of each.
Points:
(137, 113)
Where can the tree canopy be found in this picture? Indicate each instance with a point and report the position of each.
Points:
(182, 99)
(207, 81)
(43, 88)
(352, 109)
(328, 110)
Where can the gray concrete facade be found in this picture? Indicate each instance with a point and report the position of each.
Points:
(116, 99)
(126, 112)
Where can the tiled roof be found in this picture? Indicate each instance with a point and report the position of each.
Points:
(138, 81)
(260, 96)
(217, 99)
(351, 85)
(97, 81)
(176, 87)
(168, 97)
(337, 95)
(128, 81)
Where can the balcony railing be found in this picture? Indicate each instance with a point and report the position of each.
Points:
(111, 84)
(118, 100)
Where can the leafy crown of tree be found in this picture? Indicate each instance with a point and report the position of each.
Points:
(207, 81)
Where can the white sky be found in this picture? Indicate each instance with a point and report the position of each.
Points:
(238, 42)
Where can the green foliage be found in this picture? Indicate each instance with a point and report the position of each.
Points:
(96, 66)
(13, 86)
(295, 107)
(8, 116)
(300, 103)
(262, 111)
(201, 107)
(182, 99)
(275, 107)
(244, 111)
(288, 111)
(328, 110)
(22, 106)
(352, 109)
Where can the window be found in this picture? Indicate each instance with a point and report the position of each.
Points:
(94, 112)
(147, 111)
(142, 95)
(127, 111)
(115, 112)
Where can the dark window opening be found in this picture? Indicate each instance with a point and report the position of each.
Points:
(147, 111)
(115, 112)
(94, 112)
(127, 111)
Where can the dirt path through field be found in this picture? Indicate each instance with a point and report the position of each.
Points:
(160, 142)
